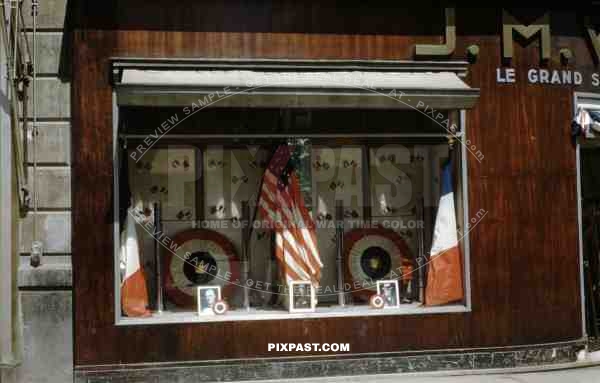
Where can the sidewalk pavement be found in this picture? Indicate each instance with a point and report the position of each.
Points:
(590, 374)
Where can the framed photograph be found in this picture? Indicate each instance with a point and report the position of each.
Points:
(302, 297)
(390, 293)
(207, 297)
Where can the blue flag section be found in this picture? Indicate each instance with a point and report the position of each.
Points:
(444, 279)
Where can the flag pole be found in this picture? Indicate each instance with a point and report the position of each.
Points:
(157, 260)
(339, 229)
(255, 213)
(246, 232)
(421, 248)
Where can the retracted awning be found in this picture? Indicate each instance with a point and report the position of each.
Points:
(293, 84)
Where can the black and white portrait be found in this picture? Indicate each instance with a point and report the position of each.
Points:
(302, 296)
(389, 291)
(207, 297)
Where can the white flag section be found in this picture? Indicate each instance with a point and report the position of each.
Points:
(282, 207)
(444, 278)
(134, 293)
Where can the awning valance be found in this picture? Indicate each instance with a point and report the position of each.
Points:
(324, 84)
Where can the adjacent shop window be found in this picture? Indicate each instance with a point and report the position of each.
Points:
(586, 128)
(241, 214)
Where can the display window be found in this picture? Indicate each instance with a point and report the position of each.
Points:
(278, 214)
(586, 129)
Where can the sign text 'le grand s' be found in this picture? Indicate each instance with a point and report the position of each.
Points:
(546, 76)
(510, 29)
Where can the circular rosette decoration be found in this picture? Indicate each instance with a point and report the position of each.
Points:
(374, 254)
(376, 301)
(201, 258)
(221, 307)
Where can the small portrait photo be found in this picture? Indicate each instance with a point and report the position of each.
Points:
(302, 296)
(207, 297)
(390, 293)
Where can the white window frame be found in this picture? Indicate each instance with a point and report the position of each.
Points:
(587, 101)
(254, 315)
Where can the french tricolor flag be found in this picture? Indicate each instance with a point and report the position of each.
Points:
(134, 293)
(444, 278)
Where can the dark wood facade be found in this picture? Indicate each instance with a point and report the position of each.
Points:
(524, 254)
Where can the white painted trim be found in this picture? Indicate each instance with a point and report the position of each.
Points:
(116, 226)
(584, 95)
(287, 85)
(320, 312)
(587, 106)
(296, 80)
(580, 240)
(465, 198)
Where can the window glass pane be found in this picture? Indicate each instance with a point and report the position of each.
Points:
(207, 179)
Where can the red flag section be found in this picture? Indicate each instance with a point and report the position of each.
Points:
(444, 278)
(282, 207)
(134, 292)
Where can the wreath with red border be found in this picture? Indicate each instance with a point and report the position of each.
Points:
(178, 295)
(403, 256)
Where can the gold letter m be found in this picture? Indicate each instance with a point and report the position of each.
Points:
(541, 26)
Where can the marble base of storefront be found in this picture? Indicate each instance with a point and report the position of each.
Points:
(280, 369)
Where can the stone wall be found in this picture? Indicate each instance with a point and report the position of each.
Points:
(46, 292)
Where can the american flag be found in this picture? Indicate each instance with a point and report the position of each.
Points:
(282, 208)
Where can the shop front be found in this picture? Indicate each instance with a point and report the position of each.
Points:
(286, 190)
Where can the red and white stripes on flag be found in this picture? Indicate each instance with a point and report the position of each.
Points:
(444, 277)
(282, 209)
(134, 293)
